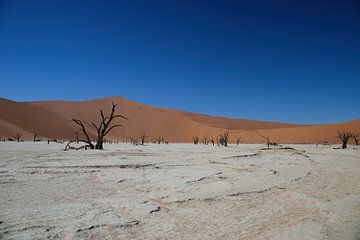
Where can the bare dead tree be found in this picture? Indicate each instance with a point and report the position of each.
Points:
(83, 130)
(356, 137)
(212, 141)
(18, 136)
(159, 140)
(143, 137)
(238, 140)
(268, 142)
(344, 136)
(217, 141)
(224, 138)
(205, 140)
(195, 140)
(102, 129)
(35, 137)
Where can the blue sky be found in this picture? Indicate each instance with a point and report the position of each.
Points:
(288, 61)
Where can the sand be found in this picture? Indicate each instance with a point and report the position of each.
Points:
(52, 120)
(179, 191)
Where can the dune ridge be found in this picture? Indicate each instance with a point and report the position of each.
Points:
(52, 120)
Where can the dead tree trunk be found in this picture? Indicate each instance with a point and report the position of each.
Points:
(268, 142)
(102, 129)
(83, 130)
(344, 136)
(35, 137)
(143, 138)
(356, 137)
(195, 140)
(224, 138)
(238, 141)
(18, 136)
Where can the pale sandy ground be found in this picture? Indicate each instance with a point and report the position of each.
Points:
(179, 191)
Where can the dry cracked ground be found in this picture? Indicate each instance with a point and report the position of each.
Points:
(179, 191)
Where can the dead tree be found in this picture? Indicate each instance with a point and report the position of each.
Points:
(18, 136)
(102, 129)
(356, 137)
(196, 140)
(344, 136)
(212, 141)
(224, 138)
(205, 140)
(36, 137)
(83, 130)
(143, 137)
(268, 142)
(238, 140)
(159, 140)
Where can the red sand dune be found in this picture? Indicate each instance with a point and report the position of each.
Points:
(51, 120)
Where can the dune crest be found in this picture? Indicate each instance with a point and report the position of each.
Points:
(51, 119)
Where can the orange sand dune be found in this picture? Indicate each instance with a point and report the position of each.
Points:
(52, 119)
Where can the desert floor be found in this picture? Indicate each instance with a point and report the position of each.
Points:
(179, 191)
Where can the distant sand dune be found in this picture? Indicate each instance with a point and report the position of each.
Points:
(51, 119)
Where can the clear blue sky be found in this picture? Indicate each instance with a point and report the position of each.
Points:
(278, 60)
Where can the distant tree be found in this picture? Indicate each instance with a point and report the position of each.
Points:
(102, 129)
(143, 137)
(356, 137)
(159, 140)
(212, 141)
(18, 136)
(205, 140)
(224, 138)
(268, 142)
(238, 140)
(35, 137)
(344, 136)
(195, 140)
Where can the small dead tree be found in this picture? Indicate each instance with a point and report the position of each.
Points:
(344, 136)
(238, 140)
(356, 137)
(18, 136)
(268, 142)
(224, 138)
(102, 129)
(212, 141)
(195, 140)
(205, 140)
(143, 137)
(36, 137)
(159, 140)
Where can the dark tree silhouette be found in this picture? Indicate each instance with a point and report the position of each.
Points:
(344, 136)
(238, 140)
(205, 140)
(224, 138)
(268, 142)
(196, 140)
(18, 136)
(36, 137)
(143, 137)
(159, 140)
(356, 137)
(212, 141)
(102, 129)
